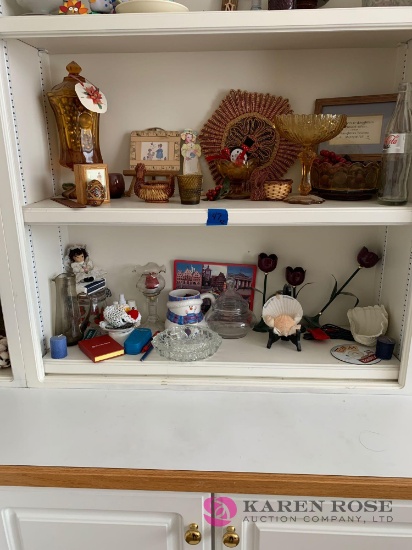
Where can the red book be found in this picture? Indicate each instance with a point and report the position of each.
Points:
(100, 348)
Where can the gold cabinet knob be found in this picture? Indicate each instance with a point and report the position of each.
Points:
(231, 538)
(193, 535)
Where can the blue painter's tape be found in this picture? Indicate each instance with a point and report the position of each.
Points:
(217, 216)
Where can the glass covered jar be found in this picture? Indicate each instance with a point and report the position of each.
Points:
(230, 315)
(78, 127)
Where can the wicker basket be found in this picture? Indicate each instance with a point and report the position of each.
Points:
(277, 190)
(155, 192)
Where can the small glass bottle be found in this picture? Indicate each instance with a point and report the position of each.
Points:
(256, 5)
(397, 152)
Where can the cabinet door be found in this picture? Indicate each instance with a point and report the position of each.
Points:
(83, 519)
(260, 525)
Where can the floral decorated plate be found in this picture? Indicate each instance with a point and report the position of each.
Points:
(149, 6)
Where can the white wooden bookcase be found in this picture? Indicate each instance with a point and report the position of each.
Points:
(172, 71)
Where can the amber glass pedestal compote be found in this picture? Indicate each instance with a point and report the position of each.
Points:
(308, 131)
(238, 176)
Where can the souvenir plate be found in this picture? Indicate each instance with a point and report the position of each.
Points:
(356, 354)
(149, 6)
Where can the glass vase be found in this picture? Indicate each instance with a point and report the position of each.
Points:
(68, 317)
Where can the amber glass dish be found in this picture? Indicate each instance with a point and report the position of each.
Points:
(238, 176)
(308, 131)
(348, 181)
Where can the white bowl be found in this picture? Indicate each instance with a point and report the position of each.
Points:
(367, 323)
(118, 334)
(40, 7)
(149, 6)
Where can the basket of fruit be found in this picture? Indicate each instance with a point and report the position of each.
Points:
(337, 177)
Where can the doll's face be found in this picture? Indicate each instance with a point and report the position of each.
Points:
(189, 138)
(79, 258)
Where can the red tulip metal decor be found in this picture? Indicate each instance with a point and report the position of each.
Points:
(266, 263)
(366, 260)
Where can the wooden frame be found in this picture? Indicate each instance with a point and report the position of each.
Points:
(83, 173)
(158, 150)
(368, 117)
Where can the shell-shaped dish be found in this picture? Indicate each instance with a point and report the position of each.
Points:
(367, 323)
(282, 313)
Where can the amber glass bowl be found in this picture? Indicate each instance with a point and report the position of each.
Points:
(348, 181)
(308, 130)
(238, 176)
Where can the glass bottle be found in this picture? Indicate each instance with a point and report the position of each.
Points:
(397, 152)
(256, 5)
(78, 127)
(68, 318)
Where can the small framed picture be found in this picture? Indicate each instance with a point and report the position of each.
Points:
(212, 276)
(158, 150)
(84, 173)
(368, 117)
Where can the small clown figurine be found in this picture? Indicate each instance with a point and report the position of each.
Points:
(191, 152)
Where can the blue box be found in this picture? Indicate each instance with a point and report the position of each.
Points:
(135, 342)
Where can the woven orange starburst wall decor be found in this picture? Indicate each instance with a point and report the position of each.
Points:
(244, 115)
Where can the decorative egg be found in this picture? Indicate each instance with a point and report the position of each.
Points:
(95, 193)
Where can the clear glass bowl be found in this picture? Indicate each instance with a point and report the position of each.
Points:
(187, 343)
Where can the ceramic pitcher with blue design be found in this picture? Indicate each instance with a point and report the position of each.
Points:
(185, 307)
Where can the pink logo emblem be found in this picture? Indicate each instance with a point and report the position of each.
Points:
(219, 511)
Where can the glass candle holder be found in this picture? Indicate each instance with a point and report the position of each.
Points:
(150, 284)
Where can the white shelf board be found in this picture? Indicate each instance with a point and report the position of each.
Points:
(133, 211)
(243, 359)
(6, 376)
(213, 31)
